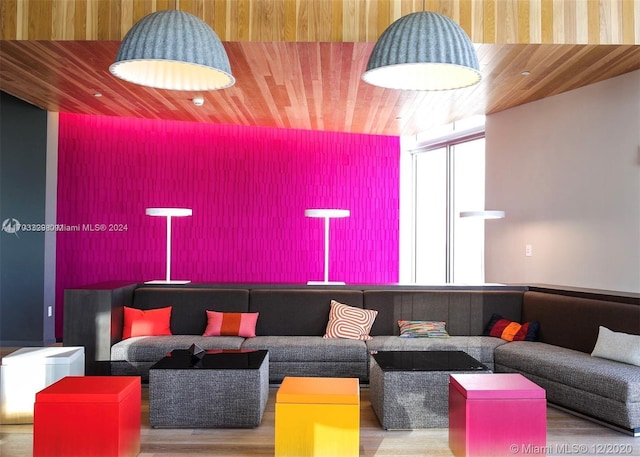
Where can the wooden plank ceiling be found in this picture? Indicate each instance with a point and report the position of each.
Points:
(298, 63)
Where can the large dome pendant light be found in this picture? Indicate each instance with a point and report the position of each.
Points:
(423, 51)
(173, 50)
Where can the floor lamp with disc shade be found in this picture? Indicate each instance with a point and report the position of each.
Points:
(326, 214)
(168, 213)
(482, 215)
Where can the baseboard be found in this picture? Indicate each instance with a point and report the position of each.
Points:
(26, 343)
(635, 432)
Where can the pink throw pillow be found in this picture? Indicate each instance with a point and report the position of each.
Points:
(231, 324)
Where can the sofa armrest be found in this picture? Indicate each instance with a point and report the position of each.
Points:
(93, 318)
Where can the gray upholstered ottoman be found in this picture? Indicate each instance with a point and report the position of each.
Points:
(224, 388)
(410, 389)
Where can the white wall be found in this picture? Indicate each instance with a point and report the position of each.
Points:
(50, 217)
(566, 170)
(405, 257)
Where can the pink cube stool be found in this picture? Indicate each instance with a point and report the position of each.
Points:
(88, 416)
(500, 414)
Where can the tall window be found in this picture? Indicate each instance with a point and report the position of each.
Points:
(468, 195)
(448, 177)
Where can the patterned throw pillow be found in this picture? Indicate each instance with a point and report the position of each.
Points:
(349, 322)
(231, 324)
(511, 331)
(152, 322)
(423, 329)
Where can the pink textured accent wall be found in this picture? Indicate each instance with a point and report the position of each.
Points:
(248, 188)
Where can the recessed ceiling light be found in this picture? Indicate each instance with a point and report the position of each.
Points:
(97, 94)
(525, 73)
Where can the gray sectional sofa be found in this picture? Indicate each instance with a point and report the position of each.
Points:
(561, 363)
(293, 319)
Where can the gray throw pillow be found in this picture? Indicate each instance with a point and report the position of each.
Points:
(618, 346)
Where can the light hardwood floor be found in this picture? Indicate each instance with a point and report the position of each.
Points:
(566, 435)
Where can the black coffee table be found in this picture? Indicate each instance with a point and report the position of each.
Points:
(222, 388)
(409, 389)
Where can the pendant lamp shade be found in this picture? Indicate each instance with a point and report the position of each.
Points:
(173, 50)
(423, 51)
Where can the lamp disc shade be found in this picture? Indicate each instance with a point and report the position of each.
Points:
(423, 51)
(178, 212)
(327, 212)
(485, 214)
(173, 50)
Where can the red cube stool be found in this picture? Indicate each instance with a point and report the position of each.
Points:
(502, 414)
(88, 415)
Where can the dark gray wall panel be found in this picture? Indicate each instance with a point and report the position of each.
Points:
(23, 159)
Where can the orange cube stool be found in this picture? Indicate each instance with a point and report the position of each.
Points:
(88, 415)
(318, 417)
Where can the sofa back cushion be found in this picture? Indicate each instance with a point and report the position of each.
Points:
(190, 304)
(573, 322)
(297, 312)
(465, 313)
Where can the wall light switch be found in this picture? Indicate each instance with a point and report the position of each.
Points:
(528, 250)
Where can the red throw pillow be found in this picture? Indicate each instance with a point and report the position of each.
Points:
(152, 322)
(231, 324)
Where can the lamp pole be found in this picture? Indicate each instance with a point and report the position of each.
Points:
(326, 249)
(168, 249)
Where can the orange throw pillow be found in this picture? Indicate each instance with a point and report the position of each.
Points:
(511, 331)
(152, 322)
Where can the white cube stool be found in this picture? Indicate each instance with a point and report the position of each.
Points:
(29, 370)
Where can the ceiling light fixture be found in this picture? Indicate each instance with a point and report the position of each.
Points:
(173, 50)
(423, 51)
